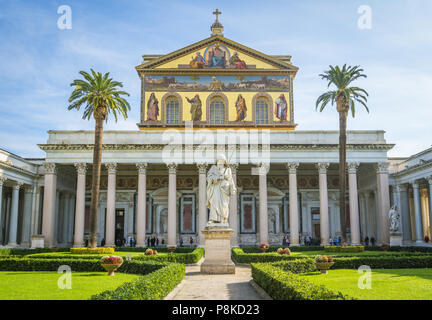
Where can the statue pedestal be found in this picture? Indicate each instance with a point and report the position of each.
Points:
(395, 239)
(217, 251)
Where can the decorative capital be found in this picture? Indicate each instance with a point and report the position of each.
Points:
(352, 167)
(142, 167)
(414, 184)
(50, 168)
(111, 167)
(382, 167)
(429, 180)
(292, 167)
(263, 168)
(81, 167)
(2, 180)
(172, 168)
(322, 167)
(202, 168)
(17, 185)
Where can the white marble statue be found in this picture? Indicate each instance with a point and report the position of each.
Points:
(220, 186)
(394, 219)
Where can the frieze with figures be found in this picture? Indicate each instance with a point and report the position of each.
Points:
(204, 83)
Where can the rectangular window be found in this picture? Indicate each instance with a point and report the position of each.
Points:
(187, 214)
(247, 214)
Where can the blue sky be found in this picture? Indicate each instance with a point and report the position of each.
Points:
(39, 61)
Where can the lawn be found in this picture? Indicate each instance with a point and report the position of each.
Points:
(387, 284)
(19, 285)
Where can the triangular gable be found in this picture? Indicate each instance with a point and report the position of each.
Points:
(246, 58)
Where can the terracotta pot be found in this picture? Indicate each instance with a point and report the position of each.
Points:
(264, 250)
(111, 267)
(323, 266)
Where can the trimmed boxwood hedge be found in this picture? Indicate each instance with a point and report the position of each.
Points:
(286, 285)
(23, 252)
(239, 256)
(256, 249)
(158, 249)
(385, 262)
(187, 258)
(344, 248)
(153, 286)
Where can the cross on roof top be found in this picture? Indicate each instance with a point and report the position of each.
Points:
(217, 12)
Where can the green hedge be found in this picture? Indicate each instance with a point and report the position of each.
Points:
(154, 286)
(187, 258)
(256, 249)
(241, 257)
(385, 262)
(344, 248)
(77, 265)
(285, 285)
(23, 252)
(158, 249)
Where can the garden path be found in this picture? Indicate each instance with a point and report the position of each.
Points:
(199, 286)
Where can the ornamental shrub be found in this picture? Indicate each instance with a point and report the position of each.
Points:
(153, 286)
(344, 248)
(239, 256)
(107, 250)
(285, 285)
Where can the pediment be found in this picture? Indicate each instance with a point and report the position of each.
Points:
(216, 53)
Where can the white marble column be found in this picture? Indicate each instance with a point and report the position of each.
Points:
(13, 222)
(202, 199)
(417, 212)
(80, 204)
(233, 209)
(324, 214)
(172, 205)
(27, 215)
(293, 203)
(404, 212)
(49, 203)
(110, 213)
(141, 205)
(263, 213)
(35, 211)
(429, 180)
(383, 202)
(2, 180)
(425, 212)
(353, 203)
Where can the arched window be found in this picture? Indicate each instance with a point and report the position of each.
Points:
(217, 111)
(262, 111)
(172, 111)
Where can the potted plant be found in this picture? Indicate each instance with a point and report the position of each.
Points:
(284, 251)
(323, 263)
(111, 263)
(264, 247)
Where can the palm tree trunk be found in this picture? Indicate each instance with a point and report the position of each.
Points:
(342, 169)
(97, 155)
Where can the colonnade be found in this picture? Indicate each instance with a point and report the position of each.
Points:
(262, 170)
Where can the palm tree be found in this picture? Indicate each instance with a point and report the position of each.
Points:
(100, 96)
(345, 98)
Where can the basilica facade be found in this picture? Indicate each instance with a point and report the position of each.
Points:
(214, 96)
